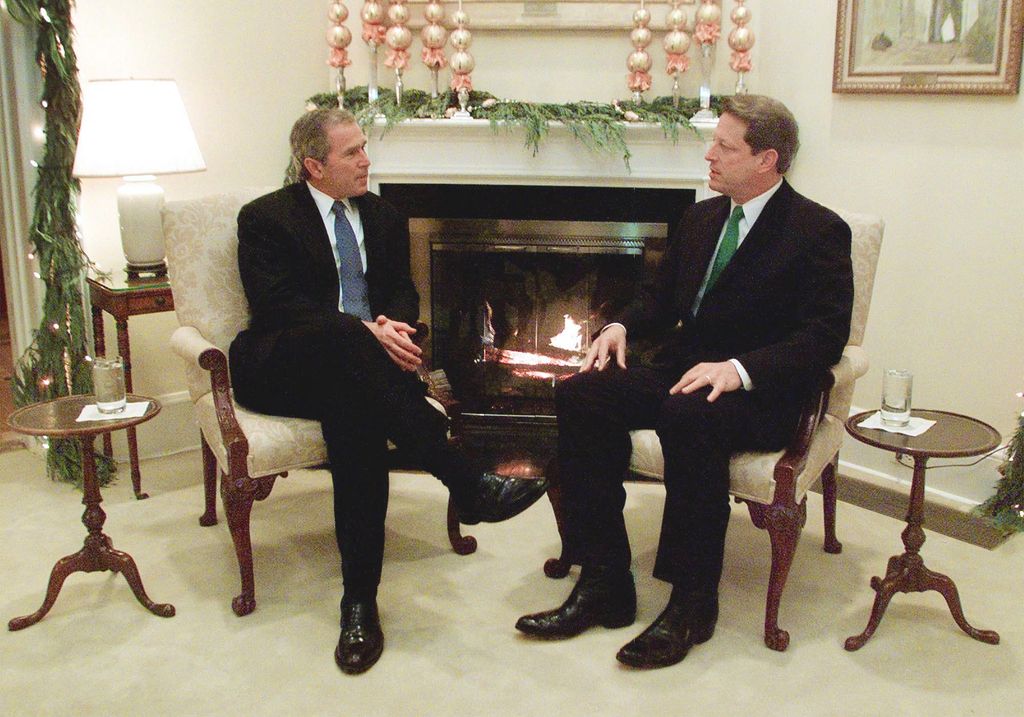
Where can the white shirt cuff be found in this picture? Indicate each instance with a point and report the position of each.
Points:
(748, 385)
(608, 326)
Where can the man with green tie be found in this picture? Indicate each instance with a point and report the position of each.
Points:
(751, 303)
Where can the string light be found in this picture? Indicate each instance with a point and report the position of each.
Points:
(45, 15)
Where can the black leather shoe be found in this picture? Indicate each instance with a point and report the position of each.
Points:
(599, 598)
(686, 621)
(361, 640)
(496, 498)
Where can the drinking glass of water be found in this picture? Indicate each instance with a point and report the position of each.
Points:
(897, 385)
(108, 384)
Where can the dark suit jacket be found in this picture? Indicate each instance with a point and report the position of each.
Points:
(288, 270)
(781, 307)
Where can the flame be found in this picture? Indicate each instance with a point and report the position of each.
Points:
(570, 338)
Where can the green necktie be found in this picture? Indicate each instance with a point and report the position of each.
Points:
(727, 248)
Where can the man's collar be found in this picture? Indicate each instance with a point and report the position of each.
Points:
(325, 202)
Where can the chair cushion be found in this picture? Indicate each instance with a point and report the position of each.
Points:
(276, 443)
(751, 475)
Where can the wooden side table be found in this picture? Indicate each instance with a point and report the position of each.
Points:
(57, 419)
(952, 436)
(122, 298)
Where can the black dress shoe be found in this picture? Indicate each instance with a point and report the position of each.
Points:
(686, 621)
(361, 640)
(495, 498)
(599, 598)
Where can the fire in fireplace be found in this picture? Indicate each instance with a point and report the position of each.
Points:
(514, 303)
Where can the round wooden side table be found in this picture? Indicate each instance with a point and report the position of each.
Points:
(952, 436)
(57, 419)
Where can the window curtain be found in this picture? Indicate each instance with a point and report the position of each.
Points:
(21, 143)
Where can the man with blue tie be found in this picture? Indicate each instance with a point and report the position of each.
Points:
(325, 268)
(751, 303)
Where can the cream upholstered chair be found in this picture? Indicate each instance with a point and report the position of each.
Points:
(774, 485)
(251, 450)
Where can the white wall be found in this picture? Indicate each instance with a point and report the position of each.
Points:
(942, 171)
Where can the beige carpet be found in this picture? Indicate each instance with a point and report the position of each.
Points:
(450, 644)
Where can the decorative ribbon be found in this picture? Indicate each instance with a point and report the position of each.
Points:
(677, 63)
(338, 58)
(461, 82)
(707, 33)
(397, 59)
(434, 58)
(374, 34)
(639, 81)
(741, 62)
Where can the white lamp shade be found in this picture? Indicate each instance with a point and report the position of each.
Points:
(135, 127)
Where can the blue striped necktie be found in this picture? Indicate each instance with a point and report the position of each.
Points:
(354, 291)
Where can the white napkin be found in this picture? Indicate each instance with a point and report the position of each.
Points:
(916, 427)
(131, 410)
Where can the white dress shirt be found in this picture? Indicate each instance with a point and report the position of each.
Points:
(325, 205)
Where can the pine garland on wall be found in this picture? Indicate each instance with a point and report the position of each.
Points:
(1006, 507)
(56, 363)
(598, 126)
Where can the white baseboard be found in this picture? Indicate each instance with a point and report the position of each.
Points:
(960, 484)
(174, 430)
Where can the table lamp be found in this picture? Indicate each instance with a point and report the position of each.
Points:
(136, 129)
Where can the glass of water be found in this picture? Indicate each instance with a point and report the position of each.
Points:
(108, 384)
(897, 385)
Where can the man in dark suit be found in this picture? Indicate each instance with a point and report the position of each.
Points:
(751, 302)
(325, 267)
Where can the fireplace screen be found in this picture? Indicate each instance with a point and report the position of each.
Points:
(513, 304)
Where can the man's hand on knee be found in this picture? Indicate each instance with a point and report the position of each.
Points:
(394, 336)
(721, 377)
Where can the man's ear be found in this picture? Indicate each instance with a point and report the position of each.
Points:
(315, 168)
(769, 159)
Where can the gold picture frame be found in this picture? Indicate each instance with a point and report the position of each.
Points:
(542, 15)
(928, 46)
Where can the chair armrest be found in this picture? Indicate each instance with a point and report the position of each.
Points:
(192, 346)
(793, 461)
(852, 365)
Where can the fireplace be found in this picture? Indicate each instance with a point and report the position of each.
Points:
(507, 243)
(516, 279)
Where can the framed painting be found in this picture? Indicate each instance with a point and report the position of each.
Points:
(928, 46)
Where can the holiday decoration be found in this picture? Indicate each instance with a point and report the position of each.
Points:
(462, 62)
(434, 38)
(706, 32)
(338, 38)
(676, 44)
(1006, 507)
(374, 34)
(57, 363)
(599, 127)
(639, 62)
(741, 39)
(398, 38)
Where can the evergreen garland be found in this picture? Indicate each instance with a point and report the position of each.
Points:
(54, 364)
(1006, 507)
(599, 127)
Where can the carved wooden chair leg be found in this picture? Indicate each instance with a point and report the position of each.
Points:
(238, 508)
(783, 524)
(209, 517)
(462, 545)
(557, 567)
(828, 492)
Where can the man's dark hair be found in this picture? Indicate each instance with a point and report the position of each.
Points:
(770, 125)
(309, 136)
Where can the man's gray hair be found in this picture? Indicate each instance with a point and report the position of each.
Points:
(309, 136)
(770, 125)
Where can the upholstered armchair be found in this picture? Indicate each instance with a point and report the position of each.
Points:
(774, 485)
(250, 450)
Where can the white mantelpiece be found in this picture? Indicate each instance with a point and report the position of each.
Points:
(470, 152)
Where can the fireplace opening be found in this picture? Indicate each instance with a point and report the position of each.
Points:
(513, 280)
(514, 304)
